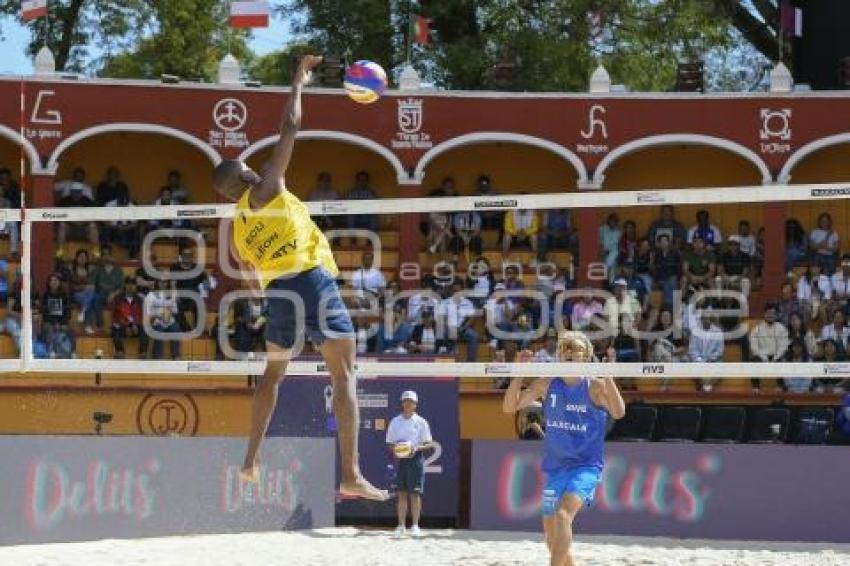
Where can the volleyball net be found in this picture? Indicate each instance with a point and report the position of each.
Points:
(197, 301)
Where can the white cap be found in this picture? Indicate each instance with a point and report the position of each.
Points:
(410, 395)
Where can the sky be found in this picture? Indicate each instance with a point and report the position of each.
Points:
(16, 37)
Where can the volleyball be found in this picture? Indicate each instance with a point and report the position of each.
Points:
(403, 449)
(365, 81)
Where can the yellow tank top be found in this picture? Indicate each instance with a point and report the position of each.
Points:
(280, 238)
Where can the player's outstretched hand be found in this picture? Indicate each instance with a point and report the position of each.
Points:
(525, 356)
(305, 69)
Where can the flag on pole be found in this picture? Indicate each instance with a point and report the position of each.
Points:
(420, 29)
(791, 18)
(32, 9)
(249, 14)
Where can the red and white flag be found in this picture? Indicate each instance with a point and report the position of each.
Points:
(32, 9)
(249, 14)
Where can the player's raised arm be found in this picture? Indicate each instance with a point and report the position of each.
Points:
(517, 398)
(275, 169)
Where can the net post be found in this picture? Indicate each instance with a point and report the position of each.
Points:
(26, 291)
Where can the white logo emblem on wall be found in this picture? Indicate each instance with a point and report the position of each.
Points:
(411, 115)
(595, 120)
(230, 115)
(775, 130)
(44, 114)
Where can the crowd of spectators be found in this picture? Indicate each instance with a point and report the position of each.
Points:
(648, 313)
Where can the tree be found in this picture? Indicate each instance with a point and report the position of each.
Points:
(189, 38)
(276, 68)
(73, 25)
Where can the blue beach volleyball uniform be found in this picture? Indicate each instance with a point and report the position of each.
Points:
(573, 450)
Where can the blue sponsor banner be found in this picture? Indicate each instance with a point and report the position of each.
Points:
(305, 409)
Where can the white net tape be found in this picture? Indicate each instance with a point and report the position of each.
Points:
(367, 368)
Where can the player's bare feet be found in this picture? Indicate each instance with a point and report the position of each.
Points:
(250, 474)
(363, 489)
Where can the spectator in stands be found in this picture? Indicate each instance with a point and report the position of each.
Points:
(480, 281)
(620, 305)
(635, 285)
(796, 243)
(174, 183)
(368, 279)
(145, 282)
(394, 334)
(110, 187)
(813, 288)
(10, 229)
(200, 283)
(11, 323)
(108, 284)
(628, 242)
(160, 310)
(706, 346)
(644, 262)
(84, 230)
(797, 330)
(166, 198)
(127, 321)
(746, 240)
(788, 305)
(625, 344)
(533, 428)
(521, 228)
(9, 188)
(424, 298)
(490, 219)
(667, 268)
(467, 234)
(123, 233)
(768, 341)
(78, 178)
(840, 281)
(423, 339)
(832, 352)
(56, 314)
(609, 243)
(324, 191)
(836, 330)
(362, 191)
(733, 269)
(669, 345)
(366, 335)
(797, 353)
(446, 189)
(508, 354)
(457, 311)
(439, 230)
(699, 267)
(557, 233)
(549, 352)
(249, 324)
(823, 243)
(585, 310)
(704, 229)
(81, 283)
(667, 225)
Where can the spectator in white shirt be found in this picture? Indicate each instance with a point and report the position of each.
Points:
(467, 234)
(411, 429)
(367, 278)
(823, 243)
(324, 191)
(584, 311)
(426, 298)
(746, 238)
(768, 341)
(621, 304)
(840, 281)
(549, 352)
(704, 229)
(706, 346)
(837, 329)
(458, 312)
(78, 180)
(160, 309)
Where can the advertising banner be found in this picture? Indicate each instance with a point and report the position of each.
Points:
(61, 489)
(753, 492)
(305, 408)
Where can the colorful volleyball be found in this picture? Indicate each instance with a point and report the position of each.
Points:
(365, 81)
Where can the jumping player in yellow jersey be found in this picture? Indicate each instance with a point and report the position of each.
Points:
(290, 261)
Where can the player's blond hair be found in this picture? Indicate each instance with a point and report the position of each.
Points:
(573, 337)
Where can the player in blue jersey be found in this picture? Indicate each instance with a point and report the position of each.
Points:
(575, 411)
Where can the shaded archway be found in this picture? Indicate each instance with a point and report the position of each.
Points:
(683, 165)
(341, 138)
(564, 169)
(822, 161)
(144, 159)
(11, 146)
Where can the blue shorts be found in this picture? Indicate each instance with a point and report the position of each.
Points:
(410, 474)
(581, 482)
(324, 314)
